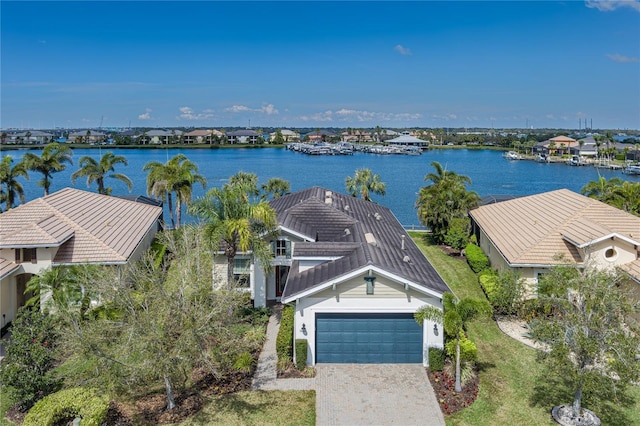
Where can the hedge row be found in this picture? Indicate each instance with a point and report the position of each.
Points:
(478, 261)
(67, 404)
(436, 359)
(301, 354)
(284, 341)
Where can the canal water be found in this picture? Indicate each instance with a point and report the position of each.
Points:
(403, 174)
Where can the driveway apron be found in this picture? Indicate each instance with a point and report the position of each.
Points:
(375, 394)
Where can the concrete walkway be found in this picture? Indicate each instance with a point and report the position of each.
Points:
(375, 394)
(356, 394)
(265, 377)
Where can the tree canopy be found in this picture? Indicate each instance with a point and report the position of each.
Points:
(53, 159)
(97, 171)
(364, 183)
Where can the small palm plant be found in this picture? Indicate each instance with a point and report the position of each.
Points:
(457, 313)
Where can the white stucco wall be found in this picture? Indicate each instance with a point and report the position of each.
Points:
(7, 300)
(344, 300)
(596, 254)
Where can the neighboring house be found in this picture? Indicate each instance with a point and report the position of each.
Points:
(532, 234)
(558, 145)
(69, 227)
(32, 137)
(243, 136)
(161, 137)
(586, 147)
(354, 276)
(320, 136)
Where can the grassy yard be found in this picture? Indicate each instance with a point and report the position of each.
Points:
(258, 408)
(511, 388)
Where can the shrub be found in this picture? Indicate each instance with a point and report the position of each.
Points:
(507, 298)
(488, 281)
(284, 340)
(436, 359)
(244, 362)
(301, 354)
(468, 349)
(476, 258)
(25, 371)
(457, 235)
(67, 404)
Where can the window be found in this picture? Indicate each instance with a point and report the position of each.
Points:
(241, 270)
(610, 254)
(370, 284)
(283, 248)
(26, 255)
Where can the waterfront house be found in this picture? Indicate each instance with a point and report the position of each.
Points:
(69, 227)
(320, 136)
(530, 235)
(557, 146)
(408, 140)
(353, 274)
(86, 136)
(287, 135)
(160, 137)
(30, 137)
(243, 136)
(201, 136)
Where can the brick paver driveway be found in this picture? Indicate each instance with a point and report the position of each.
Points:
(375, 394)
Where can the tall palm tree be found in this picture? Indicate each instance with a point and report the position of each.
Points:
(96, 171)
(456, 316)
(445, 198)
(176, 175)
(10, 188)
(236, 223)
(248, 181)
(275, 187)
(363, 183)
(602, 189)
(52, 160)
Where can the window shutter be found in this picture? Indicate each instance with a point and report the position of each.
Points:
(288, 249)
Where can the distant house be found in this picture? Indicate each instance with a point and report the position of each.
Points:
(69, 227)
(532, 234)
(30, 137)
(287, 135)
(319, 135)
(356, 136)
(407, 140)
(86, 136)
(353, 274)
(161, 137)
(244, 136)
(201, 136)
(585, 147)
(557, 146)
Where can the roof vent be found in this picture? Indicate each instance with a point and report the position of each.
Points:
(370, 239)
(402, 241)
(346, 207)
(347, 231)
(377, 215)
(406, 259)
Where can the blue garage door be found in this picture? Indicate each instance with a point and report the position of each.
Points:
(368, 338)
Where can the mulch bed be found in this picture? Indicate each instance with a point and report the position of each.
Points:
(291, 372)
(449, 400)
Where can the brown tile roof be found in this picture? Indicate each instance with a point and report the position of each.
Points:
(535, 229)
(7, 267)
(88, 227)
(633, 269)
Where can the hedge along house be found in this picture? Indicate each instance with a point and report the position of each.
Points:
(532, 234)
(69, 227)
(355, 278)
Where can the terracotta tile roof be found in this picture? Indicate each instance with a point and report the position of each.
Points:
(89, 227)
(7, 267)
(633, 269)
(537, 228)
(361, 233)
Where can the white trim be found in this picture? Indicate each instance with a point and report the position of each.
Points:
(605, 237)
(297, 234)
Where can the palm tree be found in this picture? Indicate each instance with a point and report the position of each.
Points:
(236, 223)
(627, 197)
(457, 313)
(57, 288)
(276, 187)
(51, 160)
(176, 175)
(96, 171)
(444, 199)
(10, 188)
(248, 181)
(602, 189)
(363, 183)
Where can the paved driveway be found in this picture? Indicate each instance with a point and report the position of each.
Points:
(375, 394)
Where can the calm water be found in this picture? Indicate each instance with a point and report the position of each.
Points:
(404, 175)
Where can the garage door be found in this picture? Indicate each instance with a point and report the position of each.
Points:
(368, 338)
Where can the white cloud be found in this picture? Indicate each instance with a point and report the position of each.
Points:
(268, 109)
(622, 59)
(352, 115)
(146, 115)
(402, 50)
(445, 117)
(187, 113)
(610, 5)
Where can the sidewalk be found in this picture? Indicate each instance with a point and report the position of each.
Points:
(265, 377)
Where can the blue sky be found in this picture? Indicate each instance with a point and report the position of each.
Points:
(505, 64)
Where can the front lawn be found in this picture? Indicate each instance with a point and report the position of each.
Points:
(511, 391)
(258, 408)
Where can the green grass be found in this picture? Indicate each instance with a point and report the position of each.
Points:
(258, 408)
(512, 388)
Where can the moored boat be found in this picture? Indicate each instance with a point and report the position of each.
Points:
(512, 155)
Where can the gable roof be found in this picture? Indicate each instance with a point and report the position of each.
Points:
(358, 234)
(87, 227)
(534, 230)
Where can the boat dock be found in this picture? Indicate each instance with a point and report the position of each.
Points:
(345, 148)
